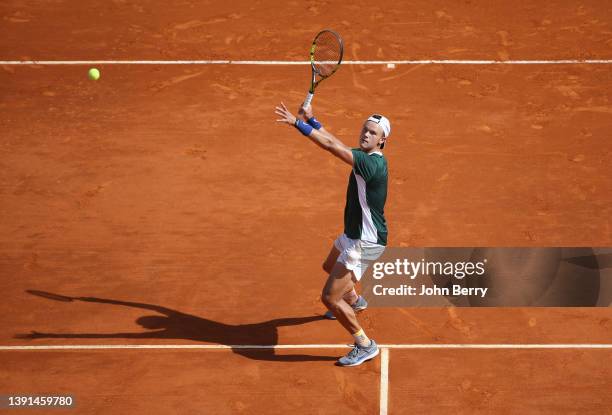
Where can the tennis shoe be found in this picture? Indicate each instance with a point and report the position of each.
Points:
(359, 354)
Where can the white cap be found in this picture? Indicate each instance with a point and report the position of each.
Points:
(383, 122)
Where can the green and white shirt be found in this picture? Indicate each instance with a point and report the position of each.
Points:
(366, 194)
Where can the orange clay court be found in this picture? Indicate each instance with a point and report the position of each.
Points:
(192, 226)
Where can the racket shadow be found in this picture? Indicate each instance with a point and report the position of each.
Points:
(50, 296)
(170, 324)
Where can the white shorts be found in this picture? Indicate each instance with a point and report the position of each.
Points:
(357, 255)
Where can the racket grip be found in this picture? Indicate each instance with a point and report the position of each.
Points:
(308, 100)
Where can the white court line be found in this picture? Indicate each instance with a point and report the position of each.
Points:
(272, 62)
(384, 381)
(307, 346)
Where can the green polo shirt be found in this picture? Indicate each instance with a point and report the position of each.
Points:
(366, 194)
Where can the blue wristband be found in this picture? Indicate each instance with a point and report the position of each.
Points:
(314, 123)
(303, 127)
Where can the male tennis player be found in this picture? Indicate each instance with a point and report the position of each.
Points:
(365, 230)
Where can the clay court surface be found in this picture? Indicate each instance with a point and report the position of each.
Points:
(167, 197)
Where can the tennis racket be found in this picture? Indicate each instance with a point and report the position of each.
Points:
(325, 59)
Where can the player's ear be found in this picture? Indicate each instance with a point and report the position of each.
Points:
(382, 142)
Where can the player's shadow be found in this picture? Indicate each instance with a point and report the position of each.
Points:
(175, 325)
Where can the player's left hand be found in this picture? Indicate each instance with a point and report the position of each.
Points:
(286, 115)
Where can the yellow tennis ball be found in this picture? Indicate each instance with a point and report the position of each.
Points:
(94, 74)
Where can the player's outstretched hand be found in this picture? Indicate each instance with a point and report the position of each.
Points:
(286, 115)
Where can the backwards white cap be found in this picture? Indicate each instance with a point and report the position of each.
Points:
(383, 122)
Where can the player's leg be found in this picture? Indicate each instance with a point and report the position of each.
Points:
(331, 259)
(351, 297)
(339, 282)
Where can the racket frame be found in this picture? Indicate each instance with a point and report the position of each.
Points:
(314, 82)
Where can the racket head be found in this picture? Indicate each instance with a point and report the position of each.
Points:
(326, 53)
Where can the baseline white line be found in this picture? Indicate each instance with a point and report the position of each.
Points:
(500, 346)
(384, 381)
(280, 62)
(305, 346)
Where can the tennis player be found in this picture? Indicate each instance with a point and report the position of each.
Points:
(365, 229)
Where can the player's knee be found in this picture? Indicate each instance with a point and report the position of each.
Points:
(330, 301)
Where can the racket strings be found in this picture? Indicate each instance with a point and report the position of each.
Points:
(327, 53)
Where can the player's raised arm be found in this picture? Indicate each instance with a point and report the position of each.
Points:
(323, 139)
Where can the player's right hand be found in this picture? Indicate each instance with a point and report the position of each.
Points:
(306, 112)
(301, 114)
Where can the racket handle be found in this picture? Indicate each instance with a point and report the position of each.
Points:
(308, 100)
